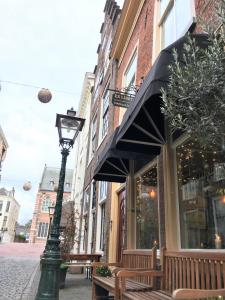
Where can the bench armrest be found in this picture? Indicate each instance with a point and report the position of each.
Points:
(182, 294)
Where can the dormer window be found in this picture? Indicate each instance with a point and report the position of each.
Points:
(52, 182)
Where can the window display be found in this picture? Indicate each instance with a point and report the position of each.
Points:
(147, 210)
(201, 192)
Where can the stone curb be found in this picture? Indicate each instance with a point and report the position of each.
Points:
(30, 290)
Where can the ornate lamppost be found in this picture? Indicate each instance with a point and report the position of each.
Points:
(68, 128)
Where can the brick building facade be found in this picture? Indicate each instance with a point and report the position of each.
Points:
(46, 197)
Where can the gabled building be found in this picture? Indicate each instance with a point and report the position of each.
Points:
(46, 197)
(9, 212)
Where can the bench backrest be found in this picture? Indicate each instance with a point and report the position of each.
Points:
(140, 259)
(195, 270)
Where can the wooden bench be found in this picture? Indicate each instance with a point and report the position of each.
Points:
(195, 273)
(141, 261)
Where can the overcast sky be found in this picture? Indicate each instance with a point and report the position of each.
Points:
(51, 44)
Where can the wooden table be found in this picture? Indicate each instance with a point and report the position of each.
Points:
(94, 257)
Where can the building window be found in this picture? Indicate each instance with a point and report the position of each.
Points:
(4, 221)
(94, 136)
(42, 230)
(86, 201)
(130, 73)
(176, 17)
(201, 195)
(7, 206)
(93, 231)
(147, 234)
(105, 112)
(102, 231)
(103, 187)
(94, 195)
(45, 204)
(1, 205)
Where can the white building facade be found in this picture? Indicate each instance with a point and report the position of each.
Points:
(81, 157)
(9, 212)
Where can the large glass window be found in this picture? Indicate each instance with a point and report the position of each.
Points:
(1, 204)
(176, 17)
(94, 135)
(43, 230)
(45, 204)
(201, 193)
(7, 206)
(147, 210)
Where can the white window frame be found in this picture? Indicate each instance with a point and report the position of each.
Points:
(93, 137)
(132, 65)
(162, 16)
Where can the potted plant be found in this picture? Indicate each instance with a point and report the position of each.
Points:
(69, 230)
(103, 271)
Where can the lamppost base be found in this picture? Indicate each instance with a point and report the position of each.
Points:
(48, 288)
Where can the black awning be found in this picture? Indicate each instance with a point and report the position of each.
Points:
(113, 164)
(142, 128)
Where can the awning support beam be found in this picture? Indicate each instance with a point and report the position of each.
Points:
(140, 142)
(153, 124)
(113, 175)
(123, 164)
(115, 167)
(146, 132)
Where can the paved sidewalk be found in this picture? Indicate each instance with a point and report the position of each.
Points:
(77, 287)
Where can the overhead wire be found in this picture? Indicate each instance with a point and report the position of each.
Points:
(37, 87)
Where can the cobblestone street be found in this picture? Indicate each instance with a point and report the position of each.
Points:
(19, 264)
(19, 275)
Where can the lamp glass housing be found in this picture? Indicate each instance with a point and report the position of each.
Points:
(51, 210)
(68, 127)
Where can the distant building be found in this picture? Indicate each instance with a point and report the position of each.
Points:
(46, 197)
(3, 148)
(9, 212)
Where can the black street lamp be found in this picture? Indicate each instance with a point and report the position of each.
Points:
(68, 128)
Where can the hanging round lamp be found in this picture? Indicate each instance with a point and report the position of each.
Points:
(27, 186)
(44, 95)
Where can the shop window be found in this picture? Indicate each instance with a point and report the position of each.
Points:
(42, 230)
(147, 234)
(176, 17)
(201, 195)
(45, 204)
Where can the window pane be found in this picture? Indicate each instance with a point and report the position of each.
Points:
(201, 191)
(163, 5)
(147, 210)
(183, 17)
(168, 30)
(130, 72)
